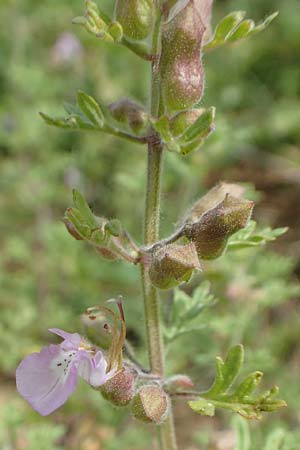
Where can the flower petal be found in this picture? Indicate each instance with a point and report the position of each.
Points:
(71, 340)
(93, 370)
(46, 379)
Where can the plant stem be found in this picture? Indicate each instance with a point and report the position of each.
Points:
(151, 235)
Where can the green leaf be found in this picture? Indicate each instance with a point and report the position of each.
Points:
(262, 26)
(248, 385)
(84, 209)
(203, 407)
(227, 370)
(55, 121)
(227, 25)
(73, 216)
(249, 237)
(91, 109)
(201, 127)
(241, 31)
(107, 236)
(186, 311)
(240, 398)
(232, 28)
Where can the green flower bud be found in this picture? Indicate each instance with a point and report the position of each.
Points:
(172, 265)
(120, 389)
(136, 17)
(182, 75)
(150, 404)
(129, 113)
(211, 232)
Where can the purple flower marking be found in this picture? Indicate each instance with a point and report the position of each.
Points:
(46, 379)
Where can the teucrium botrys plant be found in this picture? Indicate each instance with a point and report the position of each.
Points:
(173, 36)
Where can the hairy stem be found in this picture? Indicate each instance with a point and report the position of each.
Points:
(151, 235)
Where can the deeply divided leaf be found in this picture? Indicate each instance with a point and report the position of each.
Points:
(240, 398)
(233, 28)
(250, 237)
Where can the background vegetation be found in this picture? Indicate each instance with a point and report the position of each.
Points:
(47, 279)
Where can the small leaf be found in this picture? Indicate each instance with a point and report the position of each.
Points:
(231, 29)
(227, 25)
(91, 109)
(203, 407)
(239, 399)
(232, 365)
(84, 209)
(55, 121)
(246, 387)
(200, 127)
(248, 237)
(241, 31)
(260, 27)
(227, 371)
(73, 217)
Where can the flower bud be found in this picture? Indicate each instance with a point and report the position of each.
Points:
(211, 232)
(182, 75)
(129, 113)
(136, 17)
(178, 383)
(173, 264)
(150, 404)
(120, 389)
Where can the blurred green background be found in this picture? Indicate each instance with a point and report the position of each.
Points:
(47, 279)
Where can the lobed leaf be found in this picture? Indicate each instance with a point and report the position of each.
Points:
(97, 23)
(186, 311)
(233, 28)
(248, 237)
(241, 398)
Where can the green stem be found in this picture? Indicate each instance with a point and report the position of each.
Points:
(151, 235)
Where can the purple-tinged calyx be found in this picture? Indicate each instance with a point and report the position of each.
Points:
(182, 75)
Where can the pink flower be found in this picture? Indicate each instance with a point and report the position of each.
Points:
(46, 379)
